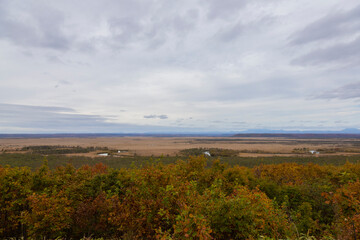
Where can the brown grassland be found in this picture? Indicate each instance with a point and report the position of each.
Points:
(170, 146)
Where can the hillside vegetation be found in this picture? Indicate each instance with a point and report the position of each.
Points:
(182, 200)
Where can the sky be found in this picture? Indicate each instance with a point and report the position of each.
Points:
(131, 66)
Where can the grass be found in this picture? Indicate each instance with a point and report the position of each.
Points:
(34, 161)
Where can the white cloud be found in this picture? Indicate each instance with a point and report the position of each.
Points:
(190, 63)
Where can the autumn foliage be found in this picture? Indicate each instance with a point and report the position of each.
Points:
(186, 200)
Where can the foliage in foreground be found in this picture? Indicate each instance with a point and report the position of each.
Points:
(182, 200)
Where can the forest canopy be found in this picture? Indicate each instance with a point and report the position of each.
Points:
(183, 200)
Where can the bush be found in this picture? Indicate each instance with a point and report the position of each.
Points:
(188, 199)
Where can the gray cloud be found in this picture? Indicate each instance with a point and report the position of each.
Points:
(15, 108)
(187, 21)
(33, 25)
(343, 53)
(224, 9)
(334, 25)
(231, 90)
(25, 116)
(232, 33)
(54, 59)
(152, 116)
(345, 92)
(217, 121)
(238, 123)
(59, 119)
(333, 31)
(149, 28)
(125, 29)
(213, 60)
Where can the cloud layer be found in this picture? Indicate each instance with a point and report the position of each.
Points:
(218, 65)
(17, 118)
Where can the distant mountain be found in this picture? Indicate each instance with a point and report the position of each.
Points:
(351, 130)
(299, 135)
(346, 133)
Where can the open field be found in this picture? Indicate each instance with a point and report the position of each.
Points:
(157, 146)
(137, 151)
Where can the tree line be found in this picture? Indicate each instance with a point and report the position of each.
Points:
(186, 199)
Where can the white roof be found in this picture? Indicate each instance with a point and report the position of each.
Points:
(207, 153)
(103, 154)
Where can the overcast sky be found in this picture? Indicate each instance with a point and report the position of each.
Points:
(189, 65)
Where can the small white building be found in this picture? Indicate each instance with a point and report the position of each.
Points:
(103, 154)
(207, 153)
(314, 152)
